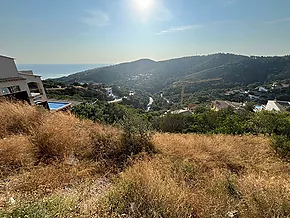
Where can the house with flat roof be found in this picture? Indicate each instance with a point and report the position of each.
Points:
(21, 85)
(274, 105)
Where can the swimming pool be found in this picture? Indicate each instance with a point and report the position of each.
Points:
(55, 106)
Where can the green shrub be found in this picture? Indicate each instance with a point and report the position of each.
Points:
(51, 207)
(137, 136)
(281, 144)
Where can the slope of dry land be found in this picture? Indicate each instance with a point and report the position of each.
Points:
(54, 165)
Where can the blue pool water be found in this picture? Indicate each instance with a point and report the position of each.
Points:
(57, 105)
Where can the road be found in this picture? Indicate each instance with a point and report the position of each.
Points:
(151, 100)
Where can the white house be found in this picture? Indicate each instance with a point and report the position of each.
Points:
(262, 89)
(274, 105)
(182, 111)
(109, 91)
(22, 85)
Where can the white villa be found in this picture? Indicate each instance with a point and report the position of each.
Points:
(21, 85)
(274, 105)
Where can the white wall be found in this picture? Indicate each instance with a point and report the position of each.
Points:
(7, 68)
(36, 79)
(22, 85)
(271, 105)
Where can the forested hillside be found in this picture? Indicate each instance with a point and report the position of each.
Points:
(224, 69)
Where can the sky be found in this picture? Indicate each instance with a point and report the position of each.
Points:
(115, 31)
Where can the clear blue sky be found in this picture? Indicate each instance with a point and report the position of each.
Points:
(113, 31)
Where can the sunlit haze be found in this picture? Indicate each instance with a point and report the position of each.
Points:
(114, 31)
(144, 4)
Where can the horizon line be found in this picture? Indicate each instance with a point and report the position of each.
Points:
(160, 60)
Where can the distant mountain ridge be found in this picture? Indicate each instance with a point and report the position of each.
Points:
(153, 76)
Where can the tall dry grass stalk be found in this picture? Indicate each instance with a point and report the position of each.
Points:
(147, 190)
(16, 118)
(15, 153)
(60, 137)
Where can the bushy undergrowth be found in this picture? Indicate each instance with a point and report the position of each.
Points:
(226, 121)
(18, 118)
(50, 207)
(281, 144)
(54, 138)
(203, 121)
(146, 190)
(66, 167)
(136, 136)
(61, 136)
(15, 153)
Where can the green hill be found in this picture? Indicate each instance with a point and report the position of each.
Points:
(152, 76)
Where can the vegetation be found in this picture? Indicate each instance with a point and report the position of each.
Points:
(206, 78)
(205, 72)
(100, 112)
(77, 93)
(57, 165)
(203, 121)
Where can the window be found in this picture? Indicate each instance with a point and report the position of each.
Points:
(5, 91)
(9, 90)
(14, 89)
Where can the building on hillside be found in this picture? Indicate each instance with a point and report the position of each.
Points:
(116, 101)
(274, 105)
(218, 105)
(262, 89)
(278, 85)
(109, 91)
(254, 97)
(182, 111)
(23, 85)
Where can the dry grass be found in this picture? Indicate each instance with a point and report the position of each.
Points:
(16, 118)
(46, 180)
(106, 142)
(15, 153)
(203, 176)
(146, 190)
(61, 136)
(231, 173)
(61, 166)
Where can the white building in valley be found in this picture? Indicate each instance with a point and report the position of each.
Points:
(274, 105)
(23, 85)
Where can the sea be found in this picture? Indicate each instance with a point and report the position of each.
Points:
(50, 71)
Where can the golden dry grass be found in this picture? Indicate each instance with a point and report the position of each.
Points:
(61, 136)
(231, 173)
(147, 190)
(203, 176)
(62, 165)
(16, 152)
(18, 118)
(54, 151)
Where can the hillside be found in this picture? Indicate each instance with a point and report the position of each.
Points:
(55, 165)
(228, 69)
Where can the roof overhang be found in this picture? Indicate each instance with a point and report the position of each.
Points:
(2, 56)
(11, 79)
